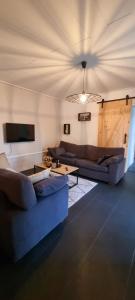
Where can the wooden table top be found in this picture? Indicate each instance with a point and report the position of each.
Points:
(63, 169)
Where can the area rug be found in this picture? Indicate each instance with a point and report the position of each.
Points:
(78, 191)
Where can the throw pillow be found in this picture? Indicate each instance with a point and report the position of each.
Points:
(112, 160)
(69, 154)
(40, 176)
(45, 188)
(4, 163)
(60, 151)
(103, 158)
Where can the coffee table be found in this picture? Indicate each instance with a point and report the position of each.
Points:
(62, 170)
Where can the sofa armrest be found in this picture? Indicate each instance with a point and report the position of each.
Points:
(52, 152)
(55, 152)
(115, 159)
(116, 171)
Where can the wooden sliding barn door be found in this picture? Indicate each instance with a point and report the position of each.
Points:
(114, 121)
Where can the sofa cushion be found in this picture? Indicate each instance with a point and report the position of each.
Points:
(78, 150)
(84, 163)
(4, 163)
(69, 154)
(40, 175)
(67, 160)
(18, 189)
(50, 186)
(112, 160)
(60, 151)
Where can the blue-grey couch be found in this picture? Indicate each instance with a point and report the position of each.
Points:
(29, 212)
(101, 163)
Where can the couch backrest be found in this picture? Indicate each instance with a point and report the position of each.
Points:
(93, 152)
(79, 150)
(89, 151)
(18, 189)
(101, 151)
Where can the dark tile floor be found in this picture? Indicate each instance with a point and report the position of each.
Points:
(89, 257)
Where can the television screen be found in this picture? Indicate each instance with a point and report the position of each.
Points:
(15, 132)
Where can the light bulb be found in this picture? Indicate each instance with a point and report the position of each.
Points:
(83, 98)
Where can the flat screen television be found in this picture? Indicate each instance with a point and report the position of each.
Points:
(15, 132)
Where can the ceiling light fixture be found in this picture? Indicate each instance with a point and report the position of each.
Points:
(84, 97)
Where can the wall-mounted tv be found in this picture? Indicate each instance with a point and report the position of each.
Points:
(15, 132)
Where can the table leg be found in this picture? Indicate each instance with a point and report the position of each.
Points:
(76, 183)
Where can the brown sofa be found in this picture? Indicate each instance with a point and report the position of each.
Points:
(106, 164)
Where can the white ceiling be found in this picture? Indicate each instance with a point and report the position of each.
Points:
(42, 43)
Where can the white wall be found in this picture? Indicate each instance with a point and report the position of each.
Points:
(81, 132)
(23, 106)
(119, 94)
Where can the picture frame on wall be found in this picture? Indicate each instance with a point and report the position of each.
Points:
(86, 116)
(66, 128)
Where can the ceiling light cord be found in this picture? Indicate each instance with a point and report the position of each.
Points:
(84, 75)
(84, 63)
